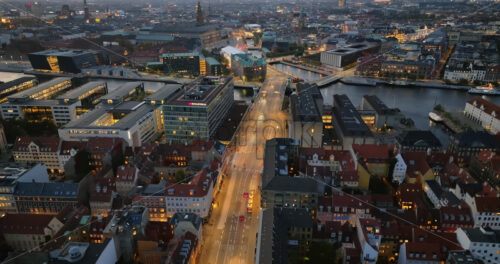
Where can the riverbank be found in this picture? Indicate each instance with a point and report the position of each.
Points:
(307, 68)
(365, 81)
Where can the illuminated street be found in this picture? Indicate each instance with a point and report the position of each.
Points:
(227, 238)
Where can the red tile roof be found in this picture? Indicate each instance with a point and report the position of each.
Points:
(103, 144)
(485, 155)
(197, 187)
(416, 163)
(348, 176)
(103, 191)
(455, 215)
(24, 223)
(145, 53)
(488, 204)
(488, 107)
(46, 144)
(126, 174)
(344, 158)
(66, 146)
(423, 251)
(372, 151)
(349, 201)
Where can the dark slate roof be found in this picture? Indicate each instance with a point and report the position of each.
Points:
(183, 217)
(471, 188)
(92, 254)
(303, 104)
(49, 189)
(348, 118)
(476, 235)
(476, 139)
(283, 220)
(379, 106)
(435, 188)
(292, 184)
(276, 157)
(419, 138)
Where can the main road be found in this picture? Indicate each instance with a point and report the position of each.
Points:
(230, 234)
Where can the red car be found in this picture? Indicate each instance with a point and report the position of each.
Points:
(245, 195)
(242, 218)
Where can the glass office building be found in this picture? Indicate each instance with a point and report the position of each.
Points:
(198, 109)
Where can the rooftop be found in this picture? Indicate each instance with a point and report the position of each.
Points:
(133, 111)
(20, 224)
(15, 82)
(122, 91)
(292, 184)
(45, 144)
(82, 90)
(304, 104)
(49, 189)
(164, 93)
(348, 118)
(194, 219)
(41, 87)
(380, 107)
(63, 52)
(479, 234)
(201, 91)
(419, 138)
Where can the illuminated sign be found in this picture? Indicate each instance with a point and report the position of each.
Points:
(196, 104)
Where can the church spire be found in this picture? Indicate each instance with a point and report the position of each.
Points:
(200, 20)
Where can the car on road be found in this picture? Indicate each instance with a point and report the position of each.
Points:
(241, 218)
(245, 195)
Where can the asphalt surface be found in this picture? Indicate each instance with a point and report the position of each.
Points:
(227, 237)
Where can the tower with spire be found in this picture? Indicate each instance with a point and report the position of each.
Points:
(86, 10)
(200, 20)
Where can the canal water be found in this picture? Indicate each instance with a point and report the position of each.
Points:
(414, 102)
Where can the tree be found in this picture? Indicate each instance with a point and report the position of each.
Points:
(438, 108)
(321, 252)
(21, 127)
(476, 82)
(377, 186)
(180, 175)
(117, 159)
(463, 81)
(392, 164)
(382, 260)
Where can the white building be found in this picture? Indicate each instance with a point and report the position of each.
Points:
(368, 231)
(399, 172)
(195, 196)
(468, 74)
(228, 51)
(484, 244)
(484, 112)
(485, 211)
(134, 122)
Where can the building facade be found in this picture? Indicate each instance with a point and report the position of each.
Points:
(198, 110)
